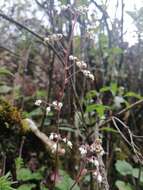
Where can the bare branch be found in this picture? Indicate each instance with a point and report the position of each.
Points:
(139, 102)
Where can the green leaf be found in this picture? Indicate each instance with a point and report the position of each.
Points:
(19, 163)
(108, 129)
(35, 112)
(66, 182)
(91, 94)
(133, 94)
(116, 51)
(4, 89)
(136, 174)
(41, 93)
(24, 174)
(4, 71)
(37, 176)
(42, 187)
(123, 167)
(97, 107)
(26, 187)
(103, 40)
(105, 89)
(114, 88)
(123, 186)
(5, 182)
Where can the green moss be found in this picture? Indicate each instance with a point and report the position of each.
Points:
(9, 115)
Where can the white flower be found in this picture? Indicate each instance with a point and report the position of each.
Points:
(60, 105)
(99, 178)
(83, 150)
(72, 58)
(78, 63)
(38, 102)
(54, 147)
(46, 40)
(63, 7)
(83, 65)
(48, 109)
(69, 143)
(95, 173)
(57, 104)
(86, 72)
(94, 161)
(118, 100)
(91, 76)
(64, 140)
(59, 36)
(53, 136)
(68, 6)
(54, 37)
(82, 9)
(102, 153)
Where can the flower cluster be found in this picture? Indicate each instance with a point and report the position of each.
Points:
(38, 102)
(64, 7)
(82, 10)
(57, 138)
(88, 74)
(54, 137)
(69, 143)
(55, 104)
(90, 155)
(52, 38)
(97, 147)
(82, 66)
(97, 176)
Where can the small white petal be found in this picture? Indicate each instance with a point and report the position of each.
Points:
(118, 100)
(78, 63)
(84, 65)
(51, 137)
(69, 143)
(102, 153)
(64, 140)
(46, 40)
(59, 36)
(99, 178)
(38, 102)
(82, 150)
(91, 76)
(60, 105)
(96, 163)
(95, 173)
(55, 103)
(54, 148)
(48, 109)
(71, 57)
(63, 7)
